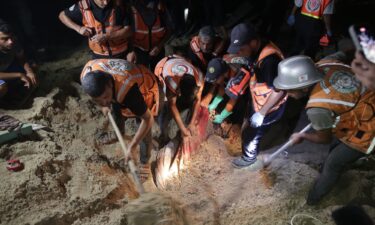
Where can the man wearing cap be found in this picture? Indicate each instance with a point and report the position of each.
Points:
(218, 74)
(205, 46)
(128, 90)
(338, 106)
(267, 104)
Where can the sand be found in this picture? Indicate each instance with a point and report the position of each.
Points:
(69, 180)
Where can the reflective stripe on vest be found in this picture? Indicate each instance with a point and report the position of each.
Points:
(314, 8)
(142, 31)
(331, 101)
(109, 48)
(260, 92)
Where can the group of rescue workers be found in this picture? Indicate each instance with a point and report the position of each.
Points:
(129, 76)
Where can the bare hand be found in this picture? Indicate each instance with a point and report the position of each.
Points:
(132, 150)
(99, 38)
(297, 138)
(193, 129)
(205, 102)
(85, 31)
(155, 51)
(32, 78)
(185, 133)
(132, 57)
(106, 110)
(26, 80)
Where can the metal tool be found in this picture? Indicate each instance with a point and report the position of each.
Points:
(268, 159)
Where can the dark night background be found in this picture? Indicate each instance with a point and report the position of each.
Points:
(51, 33)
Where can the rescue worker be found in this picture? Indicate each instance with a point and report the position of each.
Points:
(104, 22)
(309, 25)
(338, 106)
(126, 90)
(218, 74)
(184, 85)
(364, 70)
(152, 28)
(267, 103)
(16, 76)
(204, 47)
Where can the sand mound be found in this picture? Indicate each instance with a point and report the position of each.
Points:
(68, 180)
(155, 208)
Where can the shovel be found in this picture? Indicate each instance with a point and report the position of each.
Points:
(132, 167)
(268, 159)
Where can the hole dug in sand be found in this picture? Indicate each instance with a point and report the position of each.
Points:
(155, 208)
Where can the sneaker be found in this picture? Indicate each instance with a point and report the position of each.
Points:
(240, 162)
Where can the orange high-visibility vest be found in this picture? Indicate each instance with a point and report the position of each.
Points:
(314, 8)
(125, 75)
(341, 93)
(260, 92)
(109, 48)
(195, 47)
(172, 68)
(145, 37)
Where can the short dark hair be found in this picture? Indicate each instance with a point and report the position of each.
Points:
(207, 32)
(187, 85)
(5, 27)
(94, 83)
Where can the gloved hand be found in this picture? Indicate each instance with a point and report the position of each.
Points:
(256, 119)
(215, 103)
(223, 115)
(291, 20)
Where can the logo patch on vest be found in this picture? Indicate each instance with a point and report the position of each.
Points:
(313, 5)
(344, 82)
(180, 69)
(119, 65)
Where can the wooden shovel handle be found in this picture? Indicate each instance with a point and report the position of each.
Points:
(132, 167)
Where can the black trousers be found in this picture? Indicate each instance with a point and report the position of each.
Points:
(308, 34)
(340, 156)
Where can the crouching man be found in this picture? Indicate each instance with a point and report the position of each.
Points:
(16, 76)
(338, 106)
(184, 85)
(126, 90)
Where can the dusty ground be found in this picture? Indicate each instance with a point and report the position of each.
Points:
(69, 180)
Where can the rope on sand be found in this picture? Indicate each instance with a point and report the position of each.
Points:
(304, 215)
